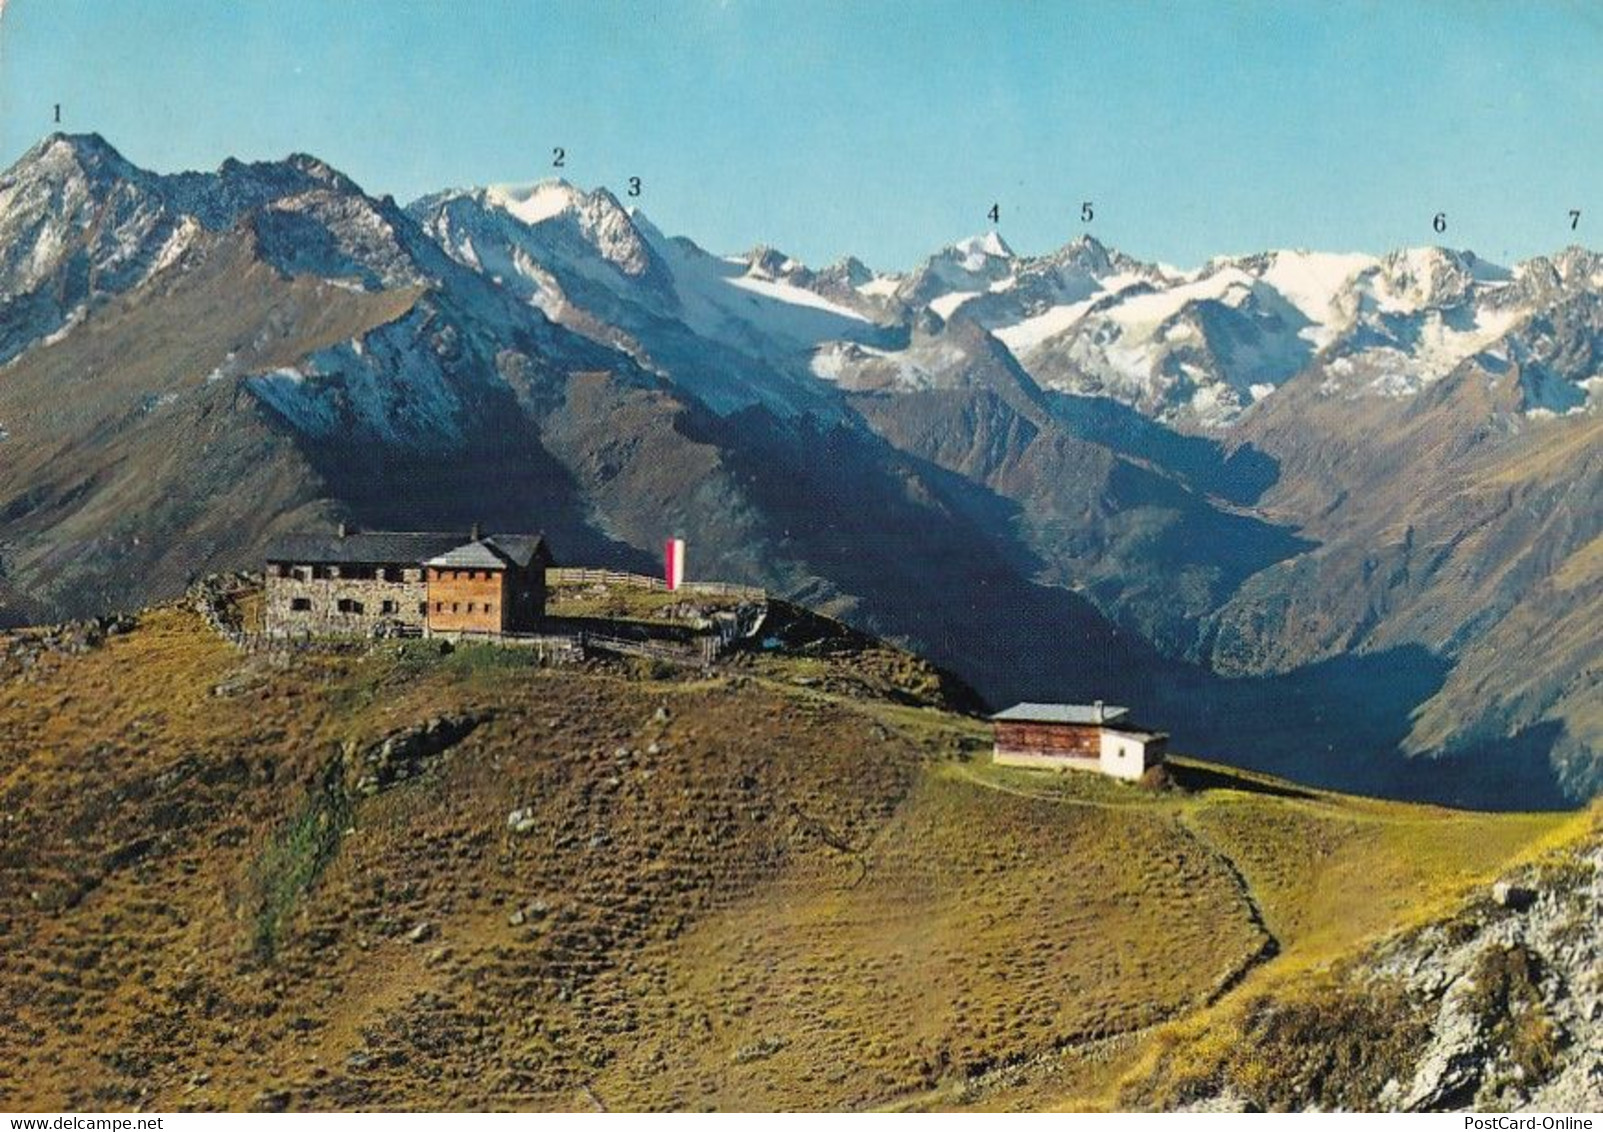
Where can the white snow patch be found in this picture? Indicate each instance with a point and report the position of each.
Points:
(1395, 384)
(1440, 347)
(228, 369)
(794, 295)
(47, 249)
(1205, 403)
(1147, 311)
(1024, 336)
(828, 361)
(719, 301)
(534, 203)
(1312, 282)
(947, 305)
(64, 329)
(176, 245)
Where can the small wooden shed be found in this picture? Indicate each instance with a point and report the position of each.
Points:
(1094, 736)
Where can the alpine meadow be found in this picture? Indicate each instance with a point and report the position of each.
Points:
(494, 653)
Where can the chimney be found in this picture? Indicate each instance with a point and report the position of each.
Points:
(1097, 707)
(344, 529)
(476, 535)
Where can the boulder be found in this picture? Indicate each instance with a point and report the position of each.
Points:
(1513, 896)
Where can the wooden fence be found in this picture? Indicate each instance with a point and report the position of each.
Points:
(579, 576)
(699, 651)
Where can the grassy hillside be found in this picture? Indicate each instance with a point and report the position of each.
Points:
(398, 877)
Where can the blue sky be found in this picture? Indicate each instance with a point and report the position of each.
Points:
(884, 129)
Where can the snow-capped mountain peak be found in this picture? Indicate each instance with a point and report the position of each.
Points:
(84, 155)
(596, 219)
(1412, 279)
(533, 203)
(975, 251)
(1200, 347)
(764, 262)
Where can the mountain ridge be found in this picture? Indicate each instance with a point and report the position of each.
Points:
(1186, 473)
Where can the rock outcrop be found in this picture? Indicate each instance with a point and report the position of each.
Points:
(406, 754)
(1513, 987)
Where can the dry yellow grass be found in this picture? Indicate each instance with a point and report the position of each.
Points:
(975, 929)
(737, 891)
(1334, 872)
(628, 603)
(1332, 875)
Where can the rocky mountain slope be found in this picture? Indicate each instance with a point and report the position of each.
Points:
(1494, 1006)
(396, 877)
(1270, 494)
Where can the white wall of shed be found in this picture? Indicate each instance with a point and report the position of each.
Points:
(1123, 756)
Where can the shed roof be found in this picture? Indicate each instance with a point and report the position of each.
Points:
(1061, 713)
(1145, 734)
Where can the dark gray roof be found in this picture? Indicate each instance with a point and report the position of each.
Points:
(520, 550)
(365, 548)
(1061, 713)
(481, 555)
(403, 548)
(493, 553)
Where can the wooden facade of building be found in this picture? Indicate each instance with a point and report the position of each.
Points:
(1062, 740)
(466, 601)
(490, 586)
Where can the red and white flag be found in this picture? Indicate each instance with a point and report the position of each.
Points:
(673, 559)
